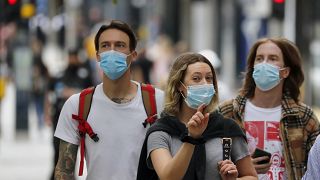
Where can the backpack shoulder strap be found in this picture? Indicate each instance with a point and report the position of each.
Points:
(85, 100)
(149, 102)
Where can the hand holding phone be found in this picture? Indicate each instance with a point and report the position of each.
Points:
(259, 153)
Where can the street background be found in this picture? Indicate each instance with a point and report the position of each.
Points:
(36, 36)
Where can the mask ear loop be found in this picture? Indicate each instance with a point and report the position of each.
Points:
(182, 94)
(181, 91)
(128, 65)
(184, 85)
(280, 69)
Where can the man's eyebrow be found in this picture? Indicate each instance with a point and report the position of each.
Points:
(115, 42)
(121, 42)
(273, 55)
(259, 55)
(104, 42)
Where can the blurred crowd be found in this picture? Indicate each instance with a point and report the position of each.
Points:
(50, 55)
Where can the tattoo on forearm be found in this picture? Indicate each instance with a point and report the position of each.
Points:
(67, 160)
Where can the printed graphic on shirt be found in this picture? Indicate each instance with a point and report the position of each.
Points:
(265, 135)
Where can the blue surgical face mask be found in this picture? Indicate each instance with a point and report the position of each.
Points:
(198, 94)
(113, 64)
(266, 76)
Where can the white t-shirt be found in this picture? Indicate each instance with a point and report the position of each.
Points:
(262, 131)
(119, 127)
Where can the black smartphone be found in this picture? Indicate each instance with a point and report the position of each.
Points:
(259, 152)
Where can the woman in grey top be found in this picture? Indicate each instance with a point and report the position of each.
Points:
(185, 143)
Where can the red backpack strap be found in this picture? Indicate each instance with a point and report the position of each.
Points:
(149, 102)
(84, 127)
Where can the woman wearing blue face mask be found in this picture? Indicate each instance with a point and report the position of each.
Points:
(186, 142)
(269, 100)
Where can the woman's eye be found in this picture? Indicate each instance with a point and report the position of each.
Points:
(210, 78)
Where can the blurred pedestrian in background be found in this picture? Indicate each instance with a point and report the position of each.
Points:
(161, 53)
(141, 68)
(185, 143)
(77, 76)
(40, 79)
(270, 99)
(224, 90)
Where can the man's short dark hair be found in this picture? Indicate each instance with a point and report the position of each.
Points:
(119, 25)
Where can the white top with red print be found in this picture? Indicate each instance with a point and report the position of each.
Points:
(262, 130)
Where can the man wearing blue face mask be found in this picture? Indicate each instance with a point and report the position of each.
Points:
(269, 100)
(116, 114)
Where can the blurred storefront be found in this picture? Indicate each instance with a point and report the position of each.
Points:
(228, 27)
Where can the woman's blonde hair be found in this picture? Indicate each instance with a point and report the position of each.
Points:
(173, 97)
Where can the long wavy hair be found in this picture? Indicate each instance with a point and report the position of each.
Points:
(292, 59)
(173, 98)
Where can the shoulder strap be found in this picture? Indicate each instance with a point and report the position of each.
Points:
(84, 127)
(149, 102)
(85, 102)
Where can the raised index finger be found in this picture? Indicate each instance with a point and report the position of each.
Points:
(201, 108)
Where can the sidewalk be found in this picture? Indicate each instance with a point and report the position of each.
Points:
(25, 155)
(28, 155)
(25, 159)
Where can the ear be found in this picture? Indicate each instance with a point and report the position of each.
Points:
(286, 72)
(98, 56)
(181, 87)
(134, 55)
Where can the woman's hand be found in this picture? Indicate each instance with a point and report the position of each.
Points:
(228, 170)
(198, 122)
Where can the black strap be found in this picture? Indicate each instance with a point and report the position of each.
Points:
(191, 140)
(226, 145)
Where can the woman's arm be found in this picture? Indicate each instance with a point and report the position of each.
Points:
(245, 169)
(168, 167)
